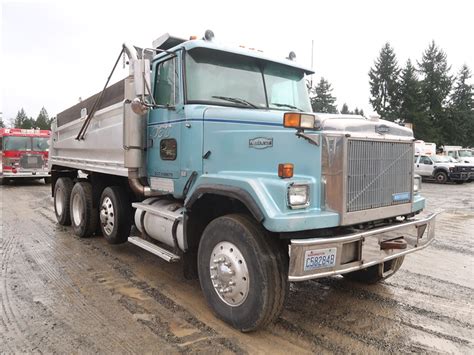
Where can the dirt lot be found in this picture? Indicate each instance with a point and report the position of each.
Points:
(61, 294)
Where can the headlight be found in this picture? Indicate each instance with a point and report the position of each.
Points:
(298, 195)
(416, 183)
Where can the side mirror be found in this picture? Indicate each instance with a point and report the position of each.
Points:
(141, 76)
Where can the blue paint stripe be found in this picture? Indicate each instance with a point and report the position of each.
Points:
(218, 120)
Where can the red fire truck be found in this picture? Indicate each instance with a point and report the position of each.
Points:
(24, 154)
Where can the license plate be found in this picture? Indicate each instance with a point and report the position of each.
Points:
(32, 160)
(319, 259)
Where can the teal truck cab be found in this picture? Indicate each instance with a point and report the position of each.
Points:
(211, 156)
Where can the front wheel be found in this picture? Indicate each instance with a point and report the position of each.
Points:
(377, 272)
(242, 271)
(441, 177)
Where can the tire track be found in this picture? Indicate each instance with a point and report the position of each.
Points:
(11, 317)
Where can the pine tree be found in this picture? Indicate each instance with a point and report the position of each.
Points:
(411, 106)
(43, 121)
(435, 87)
(22, 120)
(461, 111)
(322, 99)
(384, 84)
(345, 109)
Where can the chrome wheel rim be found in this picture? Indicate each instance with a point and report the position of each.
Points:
(59, 201)
(77, 209)
(229, 274)
(107, 215)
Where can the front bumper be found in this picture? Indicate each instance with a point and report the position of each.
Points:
(25, 174)
(360, 250)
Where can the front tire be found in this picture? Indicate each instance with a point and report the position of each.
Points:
(62, 196)
(115, 215)
(242, 271)
(376, 273)
(441, 177)
(83, 215)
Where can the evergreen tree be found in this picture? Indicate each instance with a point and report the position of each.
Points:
(2, 124)
(322, 99)
(43, 121)
(435, 87)
(22, 120)
(411, 105)
(383, 80)
(345, 109)
(461, 111)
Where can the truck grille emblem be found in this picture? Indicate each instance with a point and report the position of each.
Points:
(382, 129)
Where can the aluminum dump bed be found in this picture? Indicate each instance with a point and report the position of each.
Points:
(102, 149)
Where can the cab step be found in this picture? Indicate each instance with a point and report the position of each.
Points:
(154, 249)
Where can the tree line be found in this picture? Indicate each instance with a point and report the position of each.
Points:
(42, 121)
(437, 104)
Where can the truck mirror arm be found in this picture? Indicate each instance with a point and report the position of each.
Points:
(311, 140)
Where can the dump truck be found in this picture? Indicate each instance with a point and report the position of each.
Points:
(210, 156)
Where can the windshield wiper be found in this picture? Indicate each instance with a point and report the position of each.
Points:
(286, 105)
(236, 100)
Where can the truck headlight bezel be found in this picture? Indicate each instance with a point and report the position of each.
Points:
(298, 195)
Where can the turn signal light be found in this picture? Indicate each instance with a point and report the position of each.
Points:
(299, 120)
(285, 171)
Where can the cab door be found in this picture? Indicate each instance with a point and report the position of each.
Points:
(164, 125)
(425, 166)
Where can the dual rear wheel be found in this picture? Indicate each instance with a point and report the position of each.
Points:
(111, 215)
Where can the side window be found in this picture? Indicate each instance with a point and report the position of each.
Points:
(167, 83)
(425, 160)
(451, 154)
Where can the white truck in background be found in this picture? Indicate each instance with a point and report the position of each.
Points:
(427, 148)
(462, 155)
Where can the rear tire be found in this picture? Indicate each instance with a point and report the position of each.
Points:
(84, 216)
(62, 196)
(249, 272)
(441, 177)
(115, 215)
(377, 272)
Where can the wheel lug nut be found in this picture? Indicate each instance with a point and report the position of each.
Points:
(231, 283)
(213, 277)
(228, 289)
(227, 263)
(214, 267)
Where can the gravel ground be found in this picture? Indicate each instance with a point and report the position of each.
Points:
(62, 294)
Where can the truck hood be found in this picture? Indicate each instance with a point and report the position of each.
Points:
(354, 125)
(358, 126)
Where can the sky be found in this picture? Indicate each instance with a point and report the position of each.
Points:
(54, 52)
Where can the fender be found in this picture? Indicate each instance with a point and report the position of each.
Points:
(265, 195)
(228, 191)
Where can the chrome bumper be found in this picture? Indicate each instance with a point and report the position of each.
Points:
(25, 174)
(360, 250)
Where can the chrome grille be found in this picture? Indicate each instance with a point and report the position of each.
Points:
(379, 174)
(31, 161)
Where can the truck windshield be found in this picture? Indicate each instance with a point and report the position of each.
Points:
(217, 77)
(465, 153)
(40, 144)
(16, 143)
